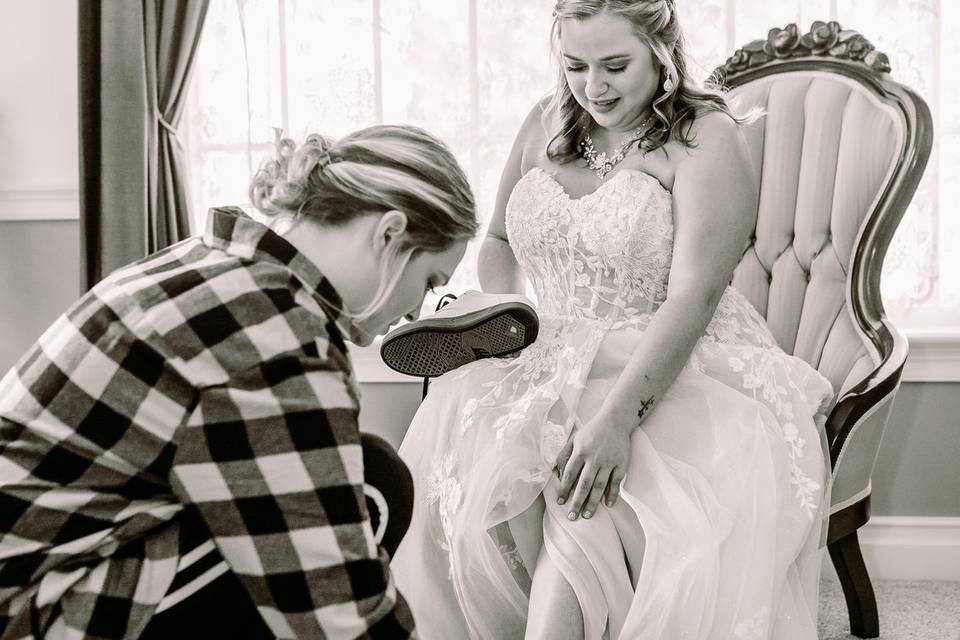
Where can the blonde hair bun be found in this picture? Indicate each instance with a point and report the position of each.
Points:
(371, 171)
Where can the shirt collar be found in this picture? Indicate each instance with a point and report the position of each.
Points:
(233, 231)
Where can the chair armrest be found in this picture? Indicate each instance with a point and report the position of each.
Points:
(877, 385)
(856, 424)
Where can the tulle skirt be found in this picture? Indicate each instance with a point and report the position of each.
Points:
(723, 508)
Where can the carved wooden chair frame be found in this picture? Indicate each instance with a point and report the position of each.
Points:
(827, 47)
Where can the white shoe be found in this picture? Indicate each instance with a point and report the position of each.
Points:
(476, 325)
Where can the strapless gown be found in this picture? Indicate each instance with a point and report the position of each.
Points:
(723, 508)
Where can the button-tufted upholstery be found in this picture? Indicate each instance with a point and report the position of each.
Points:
(838, 155)
(823, 151)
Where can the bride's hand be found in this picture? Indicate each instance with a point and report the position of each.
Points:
(594, 458)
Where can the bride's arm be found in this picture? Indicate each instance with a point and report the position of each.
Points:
(714, 202)
(498, 268)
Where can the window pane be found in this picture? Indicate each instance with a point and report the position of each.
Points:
(426, 68)
(224, 178)
(949, 231)
(705, 27)
(330, 66)
(228, 89)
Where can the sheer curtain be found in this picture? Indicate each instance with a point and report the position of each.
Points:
(469, 71)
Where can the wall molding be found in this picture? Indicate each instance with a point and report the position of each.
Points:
(58, 203)
(909, 548)
(934, 357)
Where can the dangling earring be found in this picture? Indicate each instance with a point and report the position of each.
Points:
(668, 84)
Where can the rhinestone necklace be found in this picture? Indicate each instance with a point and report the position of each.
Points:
(599, 162)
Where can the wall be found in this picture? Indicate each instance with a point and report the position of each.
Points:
(38, 96)
(38, 280)
(39, 257)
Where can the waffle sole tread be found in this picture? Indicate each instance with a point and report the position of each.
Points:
(431, 351)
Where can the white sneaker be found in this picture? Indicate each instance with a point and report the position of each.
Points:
(476, 325)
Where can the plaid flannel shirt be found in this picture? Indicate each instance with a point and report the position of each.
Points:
(212, 375)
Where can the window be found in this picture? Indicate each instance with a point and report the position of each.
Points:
(469, 71)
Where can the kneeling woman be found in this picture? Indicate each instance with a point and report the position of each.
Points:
(204, 397)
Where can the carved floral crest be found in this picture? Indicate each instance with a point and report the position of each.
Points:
(826, 39)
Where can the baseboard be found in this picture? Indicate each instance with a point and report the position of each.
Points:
(909, 548)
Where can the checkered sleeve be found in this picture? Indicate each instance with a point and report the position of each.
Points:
(272, 461)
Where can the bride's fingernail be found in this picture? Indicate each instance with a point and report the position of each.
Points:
(587, 514)
(571, 516)
(560, 500)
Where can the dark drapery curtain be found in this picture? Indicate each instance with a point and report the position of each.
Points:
(134, 63)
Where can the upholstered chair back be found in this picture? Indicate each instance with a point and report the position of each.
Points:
(825, 154)
(837, 156)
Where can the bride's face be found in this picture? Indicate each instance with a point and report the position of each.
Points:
(613, 75)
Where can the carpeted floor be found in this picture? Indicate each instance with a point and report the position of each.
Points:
(908, 610)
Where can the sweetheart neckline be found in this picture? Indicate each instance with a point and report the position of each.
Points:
(643, 174)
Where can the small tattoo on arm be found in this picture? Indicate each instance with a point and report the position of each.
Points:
(645, 407)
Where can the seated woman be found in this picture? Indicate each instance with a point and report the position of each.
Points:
(652, 466)
(206, 391)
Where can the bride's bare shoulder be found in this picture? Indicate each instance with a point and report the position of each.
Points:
(711, 129)
(716, 164)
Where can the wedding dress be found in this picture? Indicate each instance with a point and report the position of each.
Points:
(722, 512)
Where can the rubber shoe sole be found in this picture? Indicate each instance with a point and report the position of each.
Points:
(433, 346)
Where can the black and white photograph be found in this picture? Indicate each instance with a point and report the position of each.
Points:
(480, 319)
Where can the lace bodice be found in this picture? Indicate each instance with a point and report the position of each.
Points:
(605, 255)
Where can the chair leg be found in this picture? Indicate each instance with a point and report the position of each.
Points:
(861, 602)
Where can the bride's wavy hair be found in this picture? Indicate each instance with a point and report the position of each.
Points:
(656, 23)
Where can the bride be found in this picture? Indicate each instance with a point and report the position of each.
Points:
(652, 466)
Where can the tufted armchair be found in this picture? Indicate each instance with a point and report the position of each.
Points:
(838, 156)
